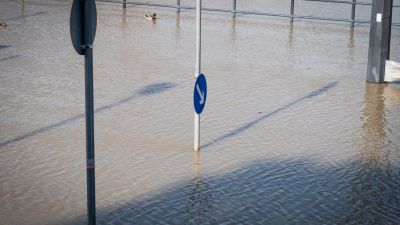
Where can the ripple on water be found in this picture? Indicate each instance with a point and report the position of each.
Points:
(291, 131)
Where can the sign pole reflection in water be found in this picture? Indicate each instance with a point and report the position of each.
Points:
(83, 23)
(197, 72)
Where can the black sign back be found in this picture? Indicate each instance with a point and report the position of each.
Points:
(83, 10)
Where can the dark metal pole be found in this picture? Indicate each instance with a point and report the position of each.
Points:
(178, 5)
(291, 10)
(353, 12)
(379, 40)
(91, 200)
(234, 8)
(390, 28)
(90, 172)
(124, 4)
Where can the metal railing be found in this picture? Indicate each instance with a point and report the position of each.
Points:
(291, 14)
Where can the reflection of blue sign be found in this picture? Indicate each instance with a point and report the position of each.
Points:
(200, 93)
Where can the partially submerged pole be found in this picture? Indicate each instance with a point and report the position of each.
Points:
(197, 72)
(379, 40)
(83, 22)
(89, 27)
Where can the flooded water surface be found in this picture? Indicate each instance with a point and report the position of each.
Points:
(291, 133)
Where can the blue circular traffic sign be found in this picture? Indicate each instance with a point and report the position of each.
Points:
(200, 93)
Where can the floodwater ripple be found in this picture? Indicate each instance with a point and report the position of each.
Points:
(252, 123)
(296, 191)
(148, 90)
(291, 132)
(9, 57)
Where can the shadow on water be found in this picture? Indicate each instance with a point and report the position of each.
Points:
(292, 191)
(10, 57)
(4, 46)
(145, 91)
(155, 89)
(247, 126)
(25, 16)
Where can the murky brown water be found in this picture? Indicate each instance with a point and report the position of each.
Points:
(291, 134)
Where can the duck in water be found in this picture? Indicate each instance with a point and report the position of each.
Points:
(3, 24)
(151, 17)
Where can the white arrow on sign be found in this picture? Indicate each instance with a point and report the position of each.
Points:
(201, 94)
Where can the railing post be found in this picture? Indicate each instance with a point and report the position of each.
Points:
(124, 4)
(178, 5)
(291, 10)
(353, 12)
(234, 8)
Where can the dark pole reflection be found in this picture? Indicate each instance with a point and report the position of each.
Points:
(233, 30)
(290, 36)
(375, 183)
(124, 18)
(351, 38)
(351, 47)
(22, 7)
(178, 25)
